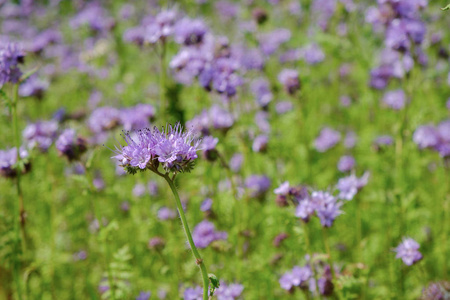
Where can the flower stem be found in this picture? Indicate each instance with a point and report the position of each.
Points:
(18, 205)
(197, 256)
(330, 262)
(162, 80)
(308, 250)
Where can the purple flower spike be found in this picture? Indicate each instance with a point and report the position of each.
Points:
(408, 251)
(346, 163)
(327, 207)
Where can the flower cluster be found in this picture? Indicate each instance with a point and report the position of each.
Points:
(205, 233)
(172, 148)
(434, 137)
(70, 145)
(8, 162)
(40, 134)
(327, 139)
(408, 251)
(11, 55)
(350, 185)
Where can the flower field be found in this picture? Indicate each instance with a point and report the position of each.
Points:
(256, 149)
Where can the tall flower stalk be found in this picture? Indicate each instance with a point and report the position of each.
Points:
(165, 152)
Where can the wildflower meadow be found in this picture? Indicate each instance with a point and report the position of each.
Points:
(229, 150)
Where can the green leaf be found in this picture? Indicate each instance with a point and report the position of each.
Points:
(446, 8)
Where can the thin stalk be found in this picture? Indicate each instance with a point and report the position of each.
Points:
(198, 258)
(16, 133)
(162, 79)
(330, 261)
(18, 217)
(309, 251)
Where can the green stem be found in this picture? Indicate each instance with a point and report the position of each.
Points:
(162, 80)
(330, 262)
(197, 256)
(308, 250)
(18, 205)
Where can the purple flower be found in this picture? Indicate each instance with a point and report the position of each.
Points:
(95, 16)
(313, 54)
(297, 277)
(346, 163)
(229, 291)
(165, 213)
(193, 293)
(189, 32)
(8, 160)
(161, 27)
(350, 185)
(139, 190)
(261, 90)
(435, 291)
(205, 233)
(395, 99)
(283, 107)
(350, 139)
(136, 117)
(174, 149)
(236, 162)
(408, 251)
(70, 145)
(283, 189)
(327, 207)
(260, 143)
(40, 134)
(252, 59)
(258, 185)
(11, 55)
(290, 80)
(206, 205)
(383, 140)
(103, 119)
(270, 42)
(305, 209)
(209, 144)
(143, 296)
(426, 136)
(43, 39)
(327, 139)
(33, 87)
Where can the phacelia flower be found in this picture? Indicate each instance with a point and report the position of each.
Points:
(11, 55)
(408, 251)
(346, 163)
(193, 293)
(260, 143)
(8, 161)
(395, 99)
(258, 185)
(327, 139)
(70, 145)
(426, 136)
(172, 148)
(205, 233)
(327, 207)
(231, 291)
(297, 277)
(33, 87)
(143, 296)
(189, 32)
(40, 134)
(165, 213)
(209, 144)
(350, 185)
(290, 80)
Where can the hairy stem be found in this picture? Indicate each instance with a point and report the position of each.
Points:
(197, 256)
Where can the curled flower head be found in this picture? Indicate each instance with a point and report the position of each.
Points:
(148, 148)
(11, 55)
(70, 145)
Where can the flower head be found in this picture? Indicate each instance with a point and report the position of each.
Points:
(70, 145)
(174, 149)
(11, 55)
(8, 161)
(408, 251)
